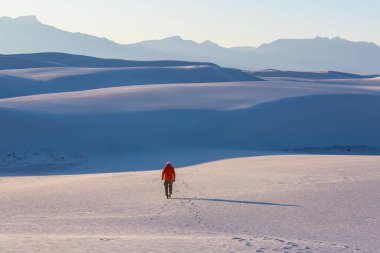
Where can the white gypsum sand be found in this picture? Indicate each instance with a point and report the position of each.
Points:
(260, 202)
(280, 203)
(118, 127)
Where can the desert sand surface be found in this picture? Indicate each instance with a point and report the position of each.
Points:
(273, 203)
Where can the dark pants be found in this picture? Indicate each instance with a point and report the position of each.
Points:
(168, 187)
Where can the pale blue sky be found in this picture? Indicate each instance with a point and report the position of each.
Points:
(227, 22)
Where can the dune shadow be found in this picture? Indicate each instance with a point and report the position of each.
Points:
(237, 201)
(124, 141)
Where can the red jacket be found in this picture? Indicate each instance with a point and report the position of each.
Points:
(168, 173)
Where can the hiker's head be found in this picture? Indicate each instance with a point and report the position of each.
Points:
(168, 163)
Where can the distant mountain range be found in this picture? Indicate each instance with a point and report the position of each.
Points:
(27, 35)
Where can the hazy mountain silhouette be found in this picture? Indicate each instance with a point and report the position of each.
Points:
(28, 35)
(289, 54)
(323, 54)
(190, 50)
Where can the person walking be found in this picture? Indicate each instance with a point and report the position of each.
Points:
(168, 174)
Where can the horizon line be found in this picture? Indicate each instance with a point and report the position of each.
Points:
(192, 40)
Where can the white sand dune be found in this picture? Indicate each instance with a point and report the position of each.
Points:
(190, 96)
(243, 187)
(320, 75)
(51, 73)
(61, 133)
(64, 79)
(374, 81)
(308, 203)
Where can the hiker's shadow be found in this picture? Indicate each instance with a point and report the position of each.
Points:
(237, 201)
